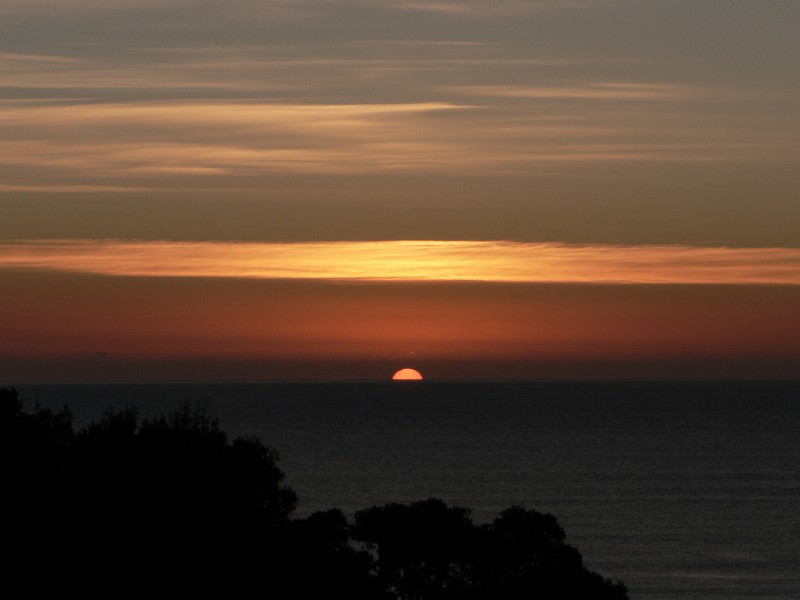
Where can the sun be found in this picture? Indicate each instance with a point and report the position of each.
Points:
(407, 375)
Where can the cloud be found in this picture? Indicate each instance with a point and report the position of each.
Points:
(170, 143)
(483, 261)
(132, 140)
(61, 187)
(630, 91)
(310, 70)
(150, 75)
(251, 7)
(168, 118)
(461, 8)
(480, 9)
(48, 7)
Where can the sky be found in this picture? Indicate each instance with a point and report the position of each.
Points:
(337, 189)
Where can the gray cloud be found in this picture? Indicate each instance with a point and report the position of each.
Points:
(160, 95)
(471, 8)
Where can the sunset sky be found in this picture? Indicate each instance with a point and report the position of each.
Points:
(337, 189)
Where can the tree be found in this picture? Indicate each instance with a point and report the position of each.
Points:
(33, 464)
(317, 560)
(159, 508)
(168, 507)
(422, 549)
(522, 554)
(427, 550)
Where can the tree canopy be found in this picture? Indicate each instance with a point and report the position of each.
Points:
(169, 507)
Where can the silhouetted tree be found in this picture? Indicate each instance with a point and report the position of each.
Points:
(162, 508)
(522, 554)
(427, 550)
(422, 549)
(33, 464)
(319, 561)
(168, 507)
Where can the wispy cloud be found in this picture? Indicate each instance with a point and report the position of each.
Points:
(129, 143)
(48, 6)
(486, 261)
(134, 140)
(589, 91)
(479, 9)
(212, 71)
(154, 73)
(462, 8)
(62, 187)
(191, 8)
(164, 118)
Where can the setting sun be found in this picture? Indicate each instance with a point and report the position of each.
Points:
(407, 374)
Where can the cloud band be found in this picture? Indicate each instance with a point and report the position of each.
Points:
(481, 261)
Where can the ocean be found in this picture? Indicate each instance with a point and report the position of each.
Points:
(682, 490)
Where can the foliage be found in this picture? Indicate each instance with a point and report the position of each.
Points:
(427, 550)
(168, 507)
(163, 507)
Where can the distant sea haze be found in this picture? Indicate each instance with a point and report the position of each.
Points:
(681, 490)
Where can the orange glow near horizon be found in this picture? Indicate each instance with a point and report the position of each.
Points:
(98, 327)
(407, 375)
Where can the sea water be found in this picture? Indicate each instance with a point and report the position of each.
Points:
(681, 490)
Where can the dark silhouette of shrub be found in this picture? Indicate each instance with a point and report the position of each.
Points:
(161, 508)
(432, 551)
(319, 561)
(168, 507)
(522, 553)
(422, 549)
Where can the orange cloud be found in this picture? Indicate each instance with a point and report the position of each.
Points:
(486, 261)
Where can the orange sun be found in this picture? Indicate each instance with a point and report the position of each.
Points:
(407, 374)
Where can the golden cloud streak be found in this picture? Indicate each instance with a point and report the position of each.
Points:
(486, 261)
